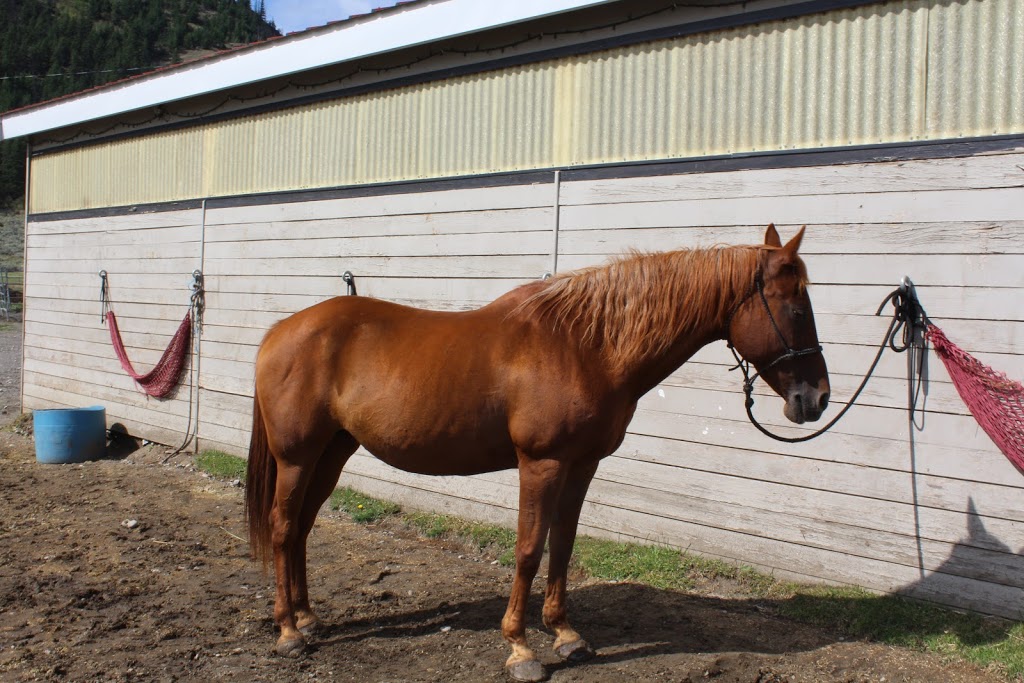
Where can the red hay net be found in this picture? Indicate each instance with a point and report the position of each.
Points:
(996, 401)
(159, 381)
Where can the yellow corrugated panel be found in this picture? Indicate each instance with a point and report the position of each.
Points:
(826, 80)
(975, 68)
(898, 71)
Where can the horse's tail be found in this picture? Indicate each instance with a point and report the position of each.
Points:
(260, 482)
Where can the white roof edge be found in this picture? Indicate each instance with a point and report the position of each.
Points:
(362, 37)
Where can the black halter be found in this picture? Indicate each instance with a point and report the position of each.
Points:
(744, 365)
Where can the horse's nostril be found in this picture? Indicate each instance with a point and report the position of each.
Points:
(823, 401)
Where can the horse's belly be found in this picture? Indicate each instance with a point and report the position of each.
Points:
(431, 442)
(446, 458)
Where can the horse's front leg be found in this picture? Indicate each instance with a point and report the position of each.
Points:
(568, 643)
(540, 482)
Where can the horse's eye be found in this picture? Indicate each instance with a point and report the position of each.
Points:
(798, 313)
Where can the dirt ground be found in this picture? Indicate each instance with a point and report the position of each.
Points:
(132, 569)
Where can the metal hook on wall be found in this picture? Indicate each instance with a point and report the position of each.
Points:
(350, 280)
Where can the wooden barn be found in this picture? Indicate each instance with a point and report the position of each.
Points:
(445, 151)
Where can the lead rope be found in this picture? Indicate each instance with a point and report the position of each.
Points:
(197, 302)
(909, 322)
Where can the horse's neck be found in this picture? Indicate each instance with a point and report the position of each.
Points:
(640, 369)
(640, 374)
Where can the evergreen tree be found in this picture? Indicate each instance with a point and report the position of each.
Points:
(50, 48)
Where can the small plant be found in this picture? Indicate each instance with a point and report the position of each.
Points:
(360, 508)
(221, 465)
(484, 537)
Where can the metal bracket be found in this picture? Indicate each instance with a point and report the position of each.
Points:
(349, 280)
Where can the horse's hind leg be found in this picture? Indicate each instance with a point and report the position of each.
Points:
(568, 643)
(292, 480)
(321, 485)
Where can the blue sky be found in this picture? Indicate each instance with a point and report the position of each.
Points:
(296, 15)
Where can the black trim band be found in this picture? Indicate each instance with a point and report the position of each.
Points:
(159, 207)
(939, 149)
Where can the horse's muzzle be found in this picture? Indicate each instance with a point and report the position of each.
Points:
(805, 404)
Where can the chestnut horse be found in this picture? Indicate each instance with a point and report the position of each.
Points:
(545, 379)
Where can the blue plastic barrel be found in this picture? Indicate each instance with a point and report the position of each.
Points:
(67, 435)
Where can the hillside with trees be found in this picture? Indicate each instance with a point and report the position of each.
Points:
(50, 48)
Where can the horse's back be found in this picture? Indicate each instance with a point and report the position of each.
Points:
(422, 390)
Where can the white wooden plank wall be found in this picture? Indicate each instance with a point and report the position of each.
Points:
(932, 509)
(69, 360)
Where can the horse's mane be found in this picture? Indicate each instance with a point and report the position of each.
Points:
(641, 303)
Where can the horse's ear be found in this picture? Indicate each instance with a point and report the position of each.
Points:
(771, 236)
(793, 245)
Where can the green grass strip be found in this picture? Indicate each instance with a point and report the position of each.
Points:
(360, 508)
(221, 465)
(488, 538)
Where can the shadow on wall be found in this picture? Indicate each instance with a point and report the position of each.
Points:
(979, 555)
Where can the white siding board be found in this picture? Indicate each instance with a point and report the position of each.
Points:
(131, 222)
(108, 254)
(431, 266)
(120, 283)
(123, 294)
(439, 202)
(407, 225)
(117, 266)
(976, 172)
(869, 237)
(112, 239)
(534, 242)
(1000, 204)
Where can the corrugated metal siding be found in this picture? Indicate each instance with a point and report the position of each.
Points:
(975, 68)
(909, 70)
(827, 80)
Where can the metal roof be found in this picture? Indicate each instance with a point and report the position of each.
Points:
(403, 26)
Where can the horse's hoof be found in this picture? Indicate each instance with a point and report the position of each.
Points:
(575, 652)
(528, 671)
(310, 629)
(290, 648)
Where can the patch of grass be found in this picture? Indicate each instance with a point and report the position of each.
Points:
(360, 508)
(221, 465)
(647, 564)
(892, 620)
(486, 537)
(6, 326)
(21, 425)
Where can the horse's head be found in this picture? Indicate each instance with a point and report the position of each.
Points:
(773, 328)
